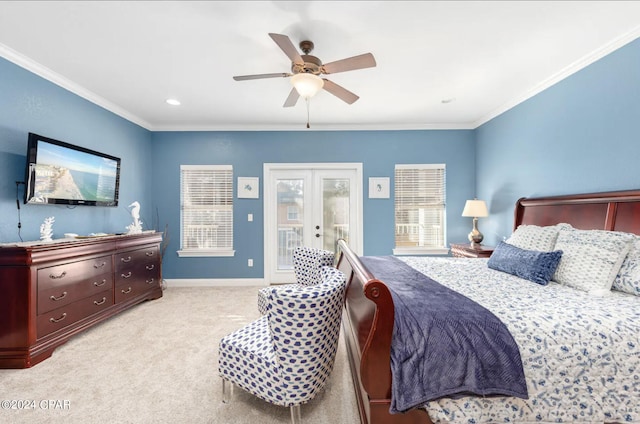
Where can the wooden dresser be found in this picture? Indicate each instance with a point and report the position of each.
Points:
(50, 292)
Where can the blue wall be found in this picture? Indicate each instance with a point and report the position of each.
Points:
(29, 103)
(580, 135)
(151, 163)
(378, 151)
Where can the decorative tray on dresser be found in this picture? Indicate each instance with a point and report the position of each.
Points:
(52, 291)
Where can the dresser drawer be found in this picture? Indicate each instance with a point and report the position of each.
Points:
(60, 295)
(73, 272)
(137, 266)
(59, 318)
(130, 289)
(140, 272)
(136, 258)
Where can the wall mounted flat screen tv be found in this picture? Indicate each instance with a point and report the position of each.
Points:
(61, 173)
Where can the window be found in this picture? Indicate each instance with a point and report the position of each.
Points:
(420, 209)
(292, 213)
(206, 210)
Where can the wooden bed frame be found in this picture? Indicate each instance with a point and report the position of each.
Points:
(368, 314)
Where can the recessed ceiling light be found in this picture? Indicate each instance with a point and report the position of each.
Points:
(173, 102)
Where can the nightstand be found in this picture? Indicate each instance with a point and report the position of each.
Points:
(468, 250)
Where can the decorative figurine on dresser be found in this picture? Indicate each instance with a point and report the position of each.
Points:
(55, 290)
(136, 225)
(46, 229)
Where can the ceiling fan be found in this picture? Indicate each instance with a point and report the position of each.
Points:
(305, 71)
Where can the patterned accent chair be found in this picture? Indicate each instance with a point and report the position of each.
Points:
(307, 262)
(286, 356)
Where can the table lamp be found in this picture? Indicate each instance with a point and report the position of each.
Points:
(476, 209)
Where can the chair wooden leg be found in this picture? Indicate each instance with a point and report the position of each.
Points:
(227, 390)
(295, 415)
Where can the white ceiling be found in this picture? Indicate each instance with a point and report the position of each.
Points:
(487, 56)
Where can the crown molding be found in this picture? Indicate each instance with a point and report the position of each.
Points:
(315, 127)
(46, 73)
(564, 73)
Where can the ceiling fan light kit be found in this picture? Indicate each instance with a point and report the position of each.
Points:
(307, 85)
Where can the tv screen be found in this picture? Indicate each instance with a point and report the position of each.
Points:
(61, 173)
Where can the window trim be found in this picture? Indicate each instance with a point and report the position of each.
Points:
(208, 252)
(408, 251)
(197, 253)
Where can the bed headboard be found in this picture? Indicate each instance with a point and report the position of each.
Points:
(613, 211)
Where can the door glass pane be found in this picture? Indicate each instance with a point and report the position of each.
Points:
(290, 216)
(335, 211)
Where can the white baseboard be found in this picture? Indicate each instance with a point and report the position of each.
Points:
(215, 282)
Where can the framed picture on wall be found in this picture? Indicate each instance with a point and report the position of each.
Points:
(379, 187)
(248, 187)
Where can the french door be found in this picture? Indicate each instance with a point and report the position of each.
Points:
(309, 205)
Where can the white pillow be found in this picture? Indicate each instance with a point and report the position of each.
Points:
(628, 278)
(533, 237)
(590, 258)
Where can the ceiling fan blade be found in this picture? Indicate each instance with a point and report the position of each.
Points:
(261, 76)
(340, 92)
(292, 99)
(349, 64)
(287, 47)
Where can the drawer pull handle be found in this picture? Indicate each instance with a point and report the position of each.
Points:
(95, 302)
(64, 315)
(149, 253)
(150, 281)
(150, 267)
(100, 284)
(62, 296)
(127, 291)
(127, 275)
(56, 277)
(127, 259)
(96, 266)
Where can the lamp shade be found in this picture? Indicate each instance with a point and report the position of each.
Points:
(475, 208)
(307, 85)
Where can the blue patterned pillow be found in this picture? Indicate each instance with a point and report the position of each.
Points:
(531, 265)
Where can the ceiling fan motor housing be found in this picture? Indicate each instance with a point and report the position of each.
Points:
(312, 65)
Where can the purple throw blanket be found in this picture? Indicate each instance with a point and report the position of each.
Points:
(444, 344)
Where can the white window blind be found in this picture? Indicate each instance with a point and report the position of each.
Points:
(206, 203)
(420, 208)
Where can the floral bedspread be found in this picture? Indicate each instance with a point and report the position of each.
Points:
(580, 353)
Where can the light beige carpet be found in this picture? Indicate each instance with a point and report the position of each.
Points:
(157, 363)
